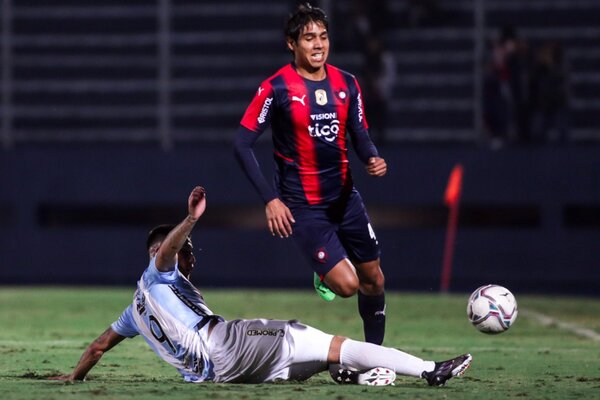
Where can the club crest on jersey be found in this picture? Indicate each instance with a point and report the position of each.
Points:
(321, 255)
(321, 97)
(342, 96)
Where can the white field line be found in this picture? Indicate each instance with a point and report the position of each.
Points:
(546, 320)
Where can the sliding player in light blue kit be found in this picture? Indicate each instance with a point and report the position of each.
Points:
(171, 315)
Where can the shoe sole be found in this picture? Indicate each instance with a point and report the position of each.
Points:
(458, 371)
(377, 377)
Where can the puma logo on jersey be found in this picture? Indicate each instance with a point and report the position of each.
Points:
(298, 99)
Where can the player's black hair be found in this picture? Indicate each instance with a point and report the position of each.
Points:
(304, 14)
(157, 234)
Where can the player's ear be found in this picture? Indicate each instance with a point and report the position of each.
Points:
(153, 249)
(291, 44)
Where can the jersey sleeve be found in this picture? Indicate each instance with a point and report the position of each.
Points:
(357, 119)
(358, 126)
(125, 325)
(258, 114)
(254, 122)
(153, 276)
(243, 144)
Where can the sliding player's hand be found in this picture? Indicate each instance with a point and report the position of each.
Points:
(197, 202)
(279, 218)
(376, 166)
(64, 378)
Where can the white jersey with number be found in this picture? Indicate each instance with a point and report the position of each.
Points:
(167, 310)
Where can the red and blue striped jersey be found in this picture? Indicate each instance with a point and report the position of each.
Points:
(310, 123)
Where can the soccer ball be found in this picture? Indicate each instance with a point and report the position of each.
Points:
(492, 309)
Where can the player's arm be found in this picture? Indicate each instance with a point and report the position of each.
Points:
(359, 132)
(367, 153)
(92, 355)
(279, 216)
(254, 122)
(243, 147)
(167, 252)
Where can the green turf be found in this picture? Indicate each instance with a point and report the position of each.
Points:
(44, 331)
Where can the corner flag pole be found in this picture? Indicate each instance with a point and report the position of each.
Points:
(452, 200)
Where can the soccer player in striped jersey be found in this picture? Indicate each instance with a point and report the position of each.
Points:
(173, 318)
(313, 109)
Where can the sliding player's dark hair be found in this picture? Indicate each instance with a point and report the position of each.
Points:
(157, 234)
(304, 14)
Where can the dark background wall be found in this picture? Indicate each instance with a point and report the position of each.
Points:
(530, 217)
(112, 110)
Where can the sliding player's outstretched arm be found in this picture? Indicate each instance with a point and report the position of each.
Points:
(92, 355)
(167, 252)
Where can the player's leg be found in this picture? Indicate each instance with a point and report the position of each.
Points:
(264, 350)
(358, 238)
(342, 279)
(316, 237)
(310, 350)
(313, 350)
(371, 300)
(363, 356)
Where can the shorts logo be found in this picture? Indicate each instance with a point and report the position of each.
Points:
(321, 97)
(321, 255)
(265, 332)
(372, 233)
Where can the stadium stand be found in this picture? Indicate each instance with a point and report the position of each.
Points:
(183, 71)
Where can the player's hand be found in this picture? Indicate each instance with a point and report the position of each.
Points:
(64, 378)
(376, 166)
(279, 218)
(197, 202)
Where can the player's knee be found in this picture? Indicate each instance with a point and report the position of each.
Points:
(348, 289)
(373, 285)
(379, 282)
(371, 277)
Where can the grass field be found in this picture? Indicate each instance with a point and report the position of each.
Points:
(44, 331)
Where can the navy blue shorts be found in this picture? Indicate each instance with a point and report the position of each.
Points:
(328, 235)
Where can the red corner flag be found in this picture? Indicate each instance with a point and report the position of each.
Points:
(452, 199)
(454, 187)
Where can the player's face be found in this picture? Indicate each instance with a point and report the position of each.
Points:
(312, 48)
(186, 259)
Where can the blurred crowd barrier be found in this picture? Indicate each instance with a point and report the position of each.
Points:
(528, 218)
(168, 72)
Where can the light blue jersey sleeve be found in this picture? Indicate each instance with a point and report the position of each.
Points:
(153, 276)
(125, 325)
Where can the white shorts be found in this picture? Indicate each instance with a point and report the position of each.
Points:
(263, 350)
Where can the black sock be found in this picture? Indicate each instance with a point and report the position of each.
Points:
(372, 312)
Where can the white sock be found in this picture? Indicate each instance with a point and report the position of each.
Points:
(364, 356)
